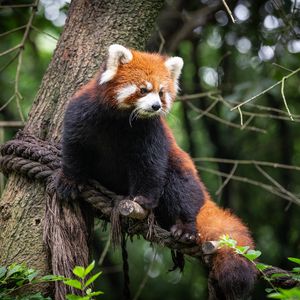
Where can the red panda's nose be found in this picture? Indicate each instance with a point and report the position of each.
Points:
(156, 106)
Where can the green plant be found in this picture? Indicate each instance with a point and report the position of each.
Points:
(83, 283)
(15, 277)
(252, 255)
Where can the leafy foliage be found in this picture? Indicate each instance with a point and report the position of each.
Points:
(83, 282)
(15, 276)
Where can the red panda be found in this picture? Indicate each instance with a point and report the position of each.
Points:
(115, 132)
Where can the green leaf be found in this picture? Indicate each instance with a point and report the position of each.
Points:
(96, 293)
(261, 266)
(52, 278)
(252, 254)
(73, 283)
(269, 290)
(296, 270)
(37, 296)
(2, 271)
(291, 294)
(79, 271)
(13, 269)
(276, 296)
(75, 297)
(278, 275)
(33, 275)
(89, 268)
(92, 279)
(242, 249)
(294, 259)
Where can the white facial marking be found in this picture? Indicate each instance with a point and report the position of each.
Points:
(168, 100)
(125, 92)
(149, 86)
(117, 55)
(174, 65)
(145, 103)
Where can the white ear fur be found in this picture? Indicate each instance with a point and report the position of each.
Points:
(117, 55)
(174, 65)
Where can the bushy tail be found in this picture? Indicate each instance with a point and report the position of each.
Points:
(66, 233)
(231, 275)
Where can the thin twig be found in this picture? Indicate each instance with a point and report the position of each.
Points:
(229, 11)
(16, 124)
(105, 250)
(44, 32)
(276, 183)
(248, 162)
(268, 89)
(33, 5)
(266, 108)
(282, 67)
(12, 30)
(10, 50)
(17, 93)
(206, 110)
(228, 123)
(7, 102)
(270, 188)
(241, 115)
(162, 40)
(198, 95)
(284, 99)
(9, 62)
(247, 122)
(227, 179)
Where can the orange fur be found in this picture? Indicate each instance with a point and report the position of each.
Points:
(90, 88)
(212, 222)
(182, 158)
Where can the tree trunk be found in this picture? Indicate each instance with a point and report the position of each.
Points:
(91, 27)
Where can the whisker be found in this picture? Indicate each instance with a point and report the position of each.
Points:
(133, 115)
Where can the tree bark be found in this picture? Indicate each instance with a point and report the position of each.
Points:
(91, 27)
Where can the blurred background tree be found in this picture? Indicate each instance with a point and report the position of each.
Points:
(248, 159)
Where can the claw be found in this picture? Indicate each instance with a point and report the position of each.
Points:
(184, 233)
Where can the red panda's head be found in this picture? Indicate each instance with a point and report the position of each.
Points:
(145, 83)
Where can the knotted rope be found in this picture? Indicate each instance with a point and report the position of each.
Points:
(40, 160)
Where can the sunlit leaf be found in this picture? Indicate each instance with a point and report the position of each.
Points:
(79, 271)
(89, 268)
(295, 260)
(74, 283)
(92, 279)
(252, 254)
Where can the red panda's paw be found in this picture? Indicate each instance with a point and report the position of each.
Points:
(66, 189)
(145, 202)
(185, 232)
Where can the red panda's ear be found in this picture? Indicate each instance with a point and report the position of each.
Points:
(117, 55)
(174, 65)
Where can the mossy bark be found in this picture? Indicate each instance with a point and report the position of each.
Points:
(91, 27)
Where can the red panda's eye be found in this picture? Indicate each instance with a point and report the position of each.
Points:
(161, 93)
(143, 91)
